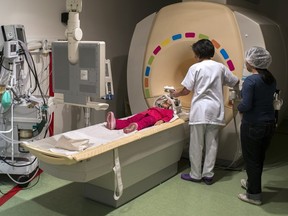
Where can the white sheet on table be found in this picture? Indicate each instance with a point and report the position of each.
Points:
(96, 134)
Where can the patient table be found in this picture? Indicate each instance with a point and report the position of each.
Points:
(146, 158)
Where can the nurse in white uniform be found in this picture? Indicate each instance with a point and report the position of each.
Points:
(205, 79)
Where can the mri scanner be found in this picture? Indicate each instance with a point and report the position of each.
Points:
(160, 54)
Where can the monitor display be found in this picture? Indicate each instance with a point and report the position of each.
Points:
(12, 32)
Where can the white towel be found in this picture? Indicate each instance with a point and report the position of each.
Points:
(72, 144)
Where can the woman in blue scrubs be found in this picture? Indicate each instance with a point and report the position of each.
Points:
(258, 121)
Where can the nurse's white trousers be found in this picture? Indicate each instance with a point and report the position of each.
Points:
(203, 135)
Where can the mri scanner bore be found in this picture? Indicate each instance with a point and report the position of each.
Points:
(160, 55)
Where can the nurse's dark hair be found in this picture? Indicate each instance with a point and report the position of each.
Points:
(203, 49)
(266, 76)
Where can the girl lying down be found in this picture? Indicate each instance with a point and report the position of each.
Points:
(139, 121)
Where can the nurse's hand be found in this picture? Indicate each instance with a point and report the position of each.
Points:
(172, 93)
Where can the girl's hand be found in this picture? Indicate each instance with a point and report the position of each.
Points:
(159, 122)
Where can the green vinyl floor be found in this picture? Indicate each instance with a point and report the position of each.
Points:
(49, 196)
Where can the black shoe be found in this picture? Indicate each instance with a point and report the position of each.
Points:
(208, 180)
(187, 177)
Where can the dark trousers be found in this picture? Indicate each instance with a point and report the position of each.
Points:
(255, 139)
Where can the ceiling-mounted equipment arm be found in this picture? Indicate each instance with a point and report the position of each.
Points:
(73, 32)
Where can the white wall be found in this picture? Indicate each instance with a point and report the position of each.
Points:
(40, 17)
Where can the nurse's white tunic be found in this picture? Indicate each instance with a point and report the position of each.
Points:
(206, 80)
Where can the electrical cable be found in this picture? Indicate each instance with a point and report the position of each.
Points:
(25, 182)
(11, 129)
(238, 146)
(31, 65)
(13, 165)
(238, 150)
(30, 186)
(26, 188)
